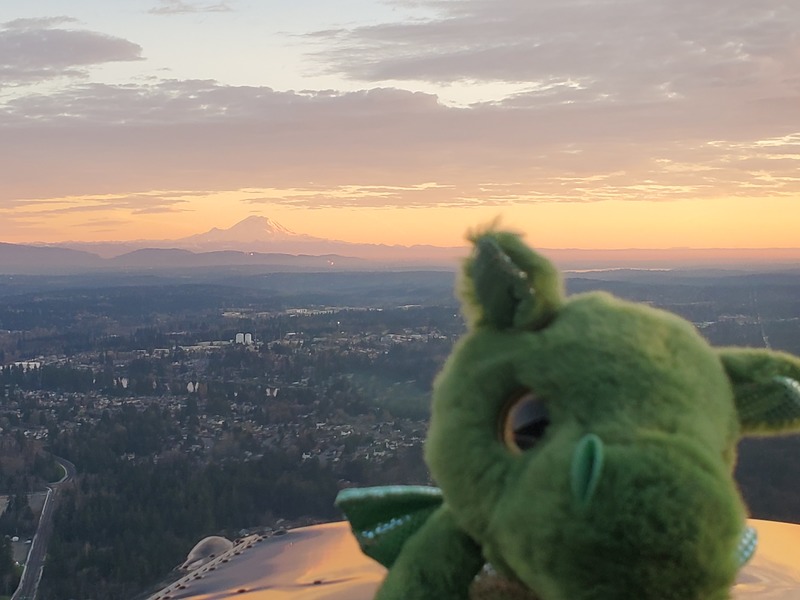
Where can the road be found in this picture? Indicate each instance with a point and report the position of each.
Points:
(34, 566)
(764, 337)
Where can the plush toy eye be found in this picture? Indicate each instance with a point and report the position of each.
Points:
(524, 422)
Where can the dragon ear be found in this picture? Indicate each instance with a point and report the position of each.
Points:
(766, 388)
(506, 285)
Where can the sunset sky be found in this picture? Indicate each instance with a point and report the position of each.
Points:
(583, 123)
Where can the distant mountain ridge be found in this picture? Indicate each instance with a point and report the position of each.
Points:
(176, 258)
(260, 241)
(263, 235)
(22, 259)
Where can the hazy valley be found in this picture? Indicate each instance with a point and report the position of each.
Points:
(228, 399)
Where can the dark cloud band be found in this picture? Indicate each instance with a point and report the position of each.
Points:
(32, 50)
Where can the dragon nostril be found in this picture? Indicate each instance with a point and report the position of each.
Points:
(586, 469)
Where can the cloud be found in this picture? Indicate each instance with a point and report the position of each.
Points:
(621, 51)
(384, 196)
(37, 23)
(33, 50)
(201, 135)
(179, 7)
(378, 147)
(136, 204)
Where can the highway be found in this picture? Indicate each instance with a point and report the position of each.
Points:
(34, 566)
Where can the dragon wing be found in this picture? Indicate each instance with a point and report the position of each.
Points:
(383, 518)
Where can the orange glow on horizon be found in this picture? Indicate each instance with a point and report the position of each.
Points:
(611, 224)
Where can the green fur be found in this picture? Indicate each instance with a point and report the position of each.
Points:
(766, 388)
(628, 494)
(438, 562)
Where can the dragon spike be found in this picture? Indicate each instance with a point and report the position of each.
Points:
(506, 285)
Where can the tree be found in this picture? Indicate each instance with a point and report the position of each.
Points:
(9, 576)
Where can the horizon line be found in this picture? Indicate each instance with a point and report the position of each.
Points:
(40, 244)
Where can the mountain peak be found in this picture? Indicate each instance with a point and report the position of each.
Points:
(256, 224)
(252, 229)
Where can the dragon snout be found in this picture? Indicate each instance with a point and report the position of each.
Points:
(644, 518)
(659, 499)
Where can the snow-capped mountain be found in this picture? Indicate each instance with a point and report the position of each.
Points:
(251, 229)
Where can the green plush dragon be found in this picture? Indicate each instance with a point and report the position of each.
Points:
(584, 448)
